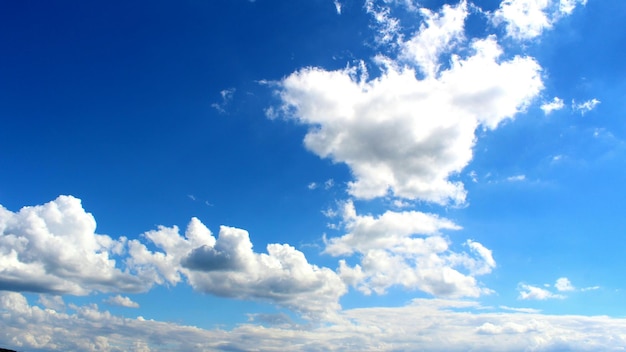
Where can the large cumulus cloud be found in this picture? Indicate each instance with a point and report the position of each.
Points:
(409, 133)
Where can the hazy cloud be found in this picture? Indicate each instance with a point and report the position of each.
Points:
(467, 326)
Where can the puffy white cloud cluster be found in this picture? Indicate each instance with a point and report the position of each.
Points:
(527, 19)
(53, 248)
(416, 326)
(407, 249)
(228, 267)
(406, 135)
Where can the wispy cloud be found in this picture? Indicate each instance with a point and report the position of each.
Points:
(227, 96)
(554, 105)
(586, 106)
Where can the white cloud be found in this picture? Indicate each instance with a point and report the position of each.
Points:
(312, 186)
(392, 230)
(524, 19)
(438, 34)
(406, 249)
(401, 134)
(227, 96)
(563, 284)
(555, 104)
(516, 178)
(459, 326)
(528, 292)
(53, 248)
(122, 301)
(567, 6)
(527, 19)
(337, 6)
(586, 106)
(228, 267)
(388, 26)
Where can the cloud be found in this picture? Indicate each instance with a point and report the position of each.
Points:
(524, 19)
(459, 326)
(407, 249)
(337, 6)
(586, 106)
(555, 104)
(53, 248)
(438, 34)
(121, 301)
(407, 136)
(227, 96)
(516, 178)
(527, 19)
(528, 292)
(228, 267)
(563, 284)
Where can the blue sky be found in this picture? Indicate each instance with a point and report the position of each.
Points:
(323, 175)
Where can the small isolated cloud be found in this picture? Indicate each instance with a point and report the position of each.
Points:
(586, 106)
(516, 178)
(312, 186)
(329, 184)
(528, 292)
(337, 6)
(227, 96)
(121, 301)
(563, 284)
(555, 104)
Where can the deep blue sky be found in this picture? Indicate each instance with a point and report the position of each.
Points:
(151, 113)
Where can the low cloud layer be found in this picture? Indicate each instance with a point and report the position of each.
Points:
(467, 326)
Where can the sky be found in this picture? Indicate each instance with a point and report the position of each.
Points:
(314, 175)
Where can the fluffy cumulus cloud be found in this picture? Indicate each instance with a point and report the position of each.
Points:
(228, 267)
(53, 248)
(407, 249)
(527, 19)
(468, 326)
(407, 135)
